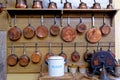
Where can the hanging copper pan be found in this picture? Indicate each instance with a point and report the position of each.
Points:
(93, 35)
(68, 33)
(62, 53)
(49, 54)
(54, 29)
(36, 56)
(75, 56)
(14, 33)
(81, 27)
(24, 59)
(105, 29)
(29, 31)
(42, 30)
(12, 59)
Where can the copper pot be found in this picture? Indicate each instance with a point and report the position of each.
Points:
(109, 6)
(67, 5)
(37, 4)
(82, 5)
(96, 5)
(52, 5)
(1, 7)
(21, 4)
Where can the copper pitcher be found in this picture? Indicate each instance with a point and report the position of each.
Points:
(52, 5)
(37, 4)
(82, 5)
(96, 5)
(67, 5)
(21, 4)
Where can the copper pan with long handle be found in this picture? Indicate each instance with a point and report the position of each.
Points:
(68, 33)
(93, 35)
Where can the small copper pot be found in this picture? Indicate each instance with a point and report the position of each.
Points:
(109, 6)
(82, 5)
(21, 4)
(37, 4)
(1, 7)
(96, 6)
(67, 5)
(52, 5)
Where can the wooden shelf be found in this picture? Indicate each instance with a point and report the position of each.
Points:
(31, 11)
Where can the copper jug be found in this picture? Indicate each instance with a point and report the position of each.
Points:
(96, 5)
(37, 4)
(21, 4)
(82, 5)
(67, 5)
(52, 5)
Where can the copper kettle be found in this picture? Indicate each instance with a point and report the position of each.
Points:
(21, 4)
(37, 4)
(67, 5)
(96, 5)
(82, 5)
(109, 6)
(52, 5)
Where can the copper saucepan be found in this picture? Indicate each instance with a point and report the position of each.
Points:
(54, 29)
(68, 33)
(62, 53)
(12, 59)
(93, 35)
(42, 30)
(29, 31)
(81, 27)
(24, 59)
(14, 33)
(49, 54)
(75, 56)
(105, 29)
(36, 56)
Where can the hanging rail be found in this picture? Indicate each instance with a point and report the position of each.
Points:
(58, 44)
